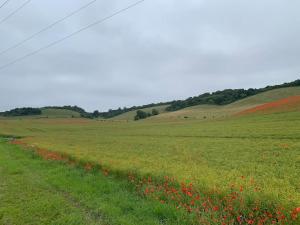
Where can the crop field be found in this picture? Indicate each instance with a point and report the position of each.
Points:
(256, 157)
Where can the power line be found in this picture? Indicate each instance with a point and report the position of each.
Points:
(47, 27)
(4, 3)
(70, 35)
(14, 12)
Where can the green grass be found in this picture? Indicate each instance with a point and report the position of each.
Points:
(35, 191)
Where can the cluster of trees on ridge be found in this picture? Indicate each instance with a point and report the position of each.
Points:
(224, 97)
(140, 114)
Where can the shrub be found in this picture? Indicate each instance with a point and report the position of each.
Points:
(155, 112)
(141, 115)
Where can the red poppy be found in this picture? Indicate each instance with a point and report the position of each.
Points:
(239, 219)
(250, 221)
(241, 189)
(216, 208)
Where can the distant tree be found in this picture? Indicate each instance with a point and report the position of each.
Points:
(155, 112)
(141, 115)
(96, 114)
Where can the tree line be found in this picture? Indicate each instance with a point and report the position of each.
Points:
(22, 112)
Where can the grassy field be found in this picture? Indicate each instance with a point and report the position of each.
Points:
(258, 154)
(34, 191)
(211, 153)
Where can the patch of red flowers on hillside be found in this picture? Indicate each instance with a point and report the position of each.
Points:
(285, 104)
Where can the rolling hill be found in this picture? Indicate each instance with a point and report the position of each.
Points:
(130, 115)
(215, 112)
(289, 104)
(217, 104)
(49, 113)
(59, 113)
(220, 98)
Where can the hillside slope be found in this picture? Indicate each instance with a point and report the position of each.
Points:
(48, 113)
(268, 96)
(59, 113)
(214, 112)
(130, 115)
(289, 104)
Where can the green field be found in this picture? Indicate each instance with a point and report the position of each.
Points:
(34, 192)
(212, 153)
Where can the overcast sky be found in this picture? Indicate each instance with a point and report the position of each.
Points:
(158, 51)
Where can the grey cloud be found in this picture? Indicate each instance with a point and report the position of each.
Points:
(158, 51)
